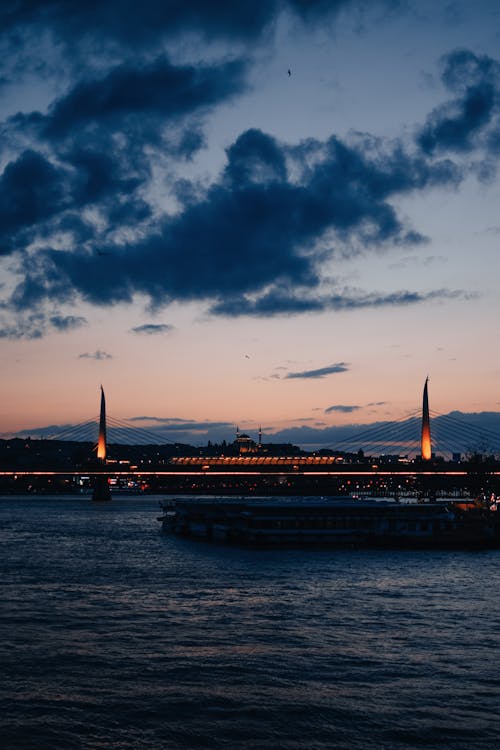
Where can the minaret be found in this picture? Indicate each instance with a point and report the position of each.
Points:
(260, 436)
(426, 445)
(101, 443)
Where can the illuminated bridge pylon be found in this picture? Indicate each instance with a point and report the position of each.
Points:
(426, 444)
(101, 489)
(101, 442)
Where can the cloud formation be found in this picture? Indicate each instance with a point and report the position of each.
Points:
(342, 409)
(262, 232)
(67, 322)
(35, 325)
(30, 326)
(92, 207)
(471, 119)
(174, 424)
(286, 301)
(152, 329)
(31, 190)
(158, 90)
(117, 23)
(321, 372)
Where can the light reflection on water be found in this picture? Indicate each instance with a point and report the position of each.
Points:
(116, 636)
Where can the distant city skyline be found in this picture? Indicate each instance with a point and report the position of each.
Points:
(282, 214)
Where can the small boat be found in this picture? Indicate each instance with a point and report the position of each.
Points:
(332, 521)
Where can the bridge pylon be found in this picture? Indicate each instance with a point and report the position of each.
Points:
(101, 442)
(426, 444)
(101, 489)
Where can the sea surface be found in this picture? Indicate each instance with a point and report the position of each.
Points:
(114, 635)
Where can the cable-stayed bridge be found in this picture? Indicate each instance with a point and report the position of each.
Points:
(424, 451)
(451, 435)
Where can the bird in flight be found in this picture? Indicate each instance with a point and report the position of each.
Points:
(289, 72)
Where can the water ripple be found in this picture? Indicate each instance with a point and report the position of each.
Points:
(114, 636)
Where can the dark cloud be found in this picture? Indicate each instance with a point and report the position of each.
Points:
(67, 322)
(104, 134)
(151, 329)
(40, 283)
(34, 325)
(256, 240)
(462, 69)
(98, 355)
(321, 372)
(39, 199)
(141, 25)
(454, 127)
(161, 420)
(460, 124)
(96, 145)
(257, 228)
(172, 424)
(47, 431)
(96, 175)
(30, 326)
(159, 90)
(255, 158)
(31, 190)
(341, 408)
(281, 301)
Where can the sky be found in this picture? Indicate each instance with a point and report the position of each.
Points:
(280, 213)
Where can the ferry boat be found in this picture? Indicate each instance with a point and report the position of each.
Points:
(333, 521)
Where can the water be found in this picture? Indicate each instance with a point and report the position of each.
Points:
(115, 636)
